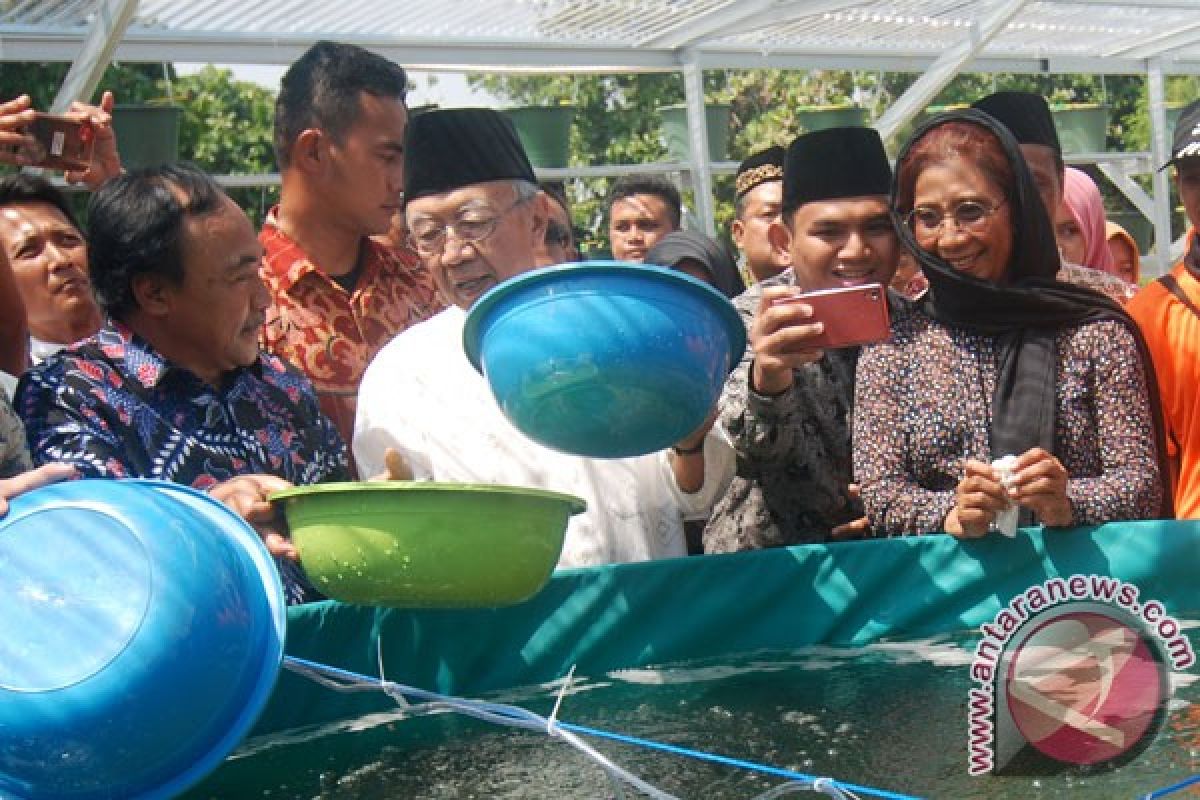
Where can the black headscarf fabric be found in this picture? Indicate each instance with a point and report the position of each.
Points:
(679, 245)
(1026, 115)
(1026, 312)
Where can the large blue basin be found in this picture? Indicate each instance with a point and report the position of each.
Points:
(605, 359)
(141, 632)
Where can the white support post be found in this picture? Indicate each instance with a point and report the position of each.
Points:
(1119, 174)
(108, 27)
(1163, 255)
(942, 71)
(701, 169)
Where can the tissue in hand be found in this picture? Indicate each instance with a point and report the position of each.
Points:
(1006, 520)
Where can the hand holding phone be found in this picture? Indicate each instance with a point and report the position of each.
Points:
(65, 143)
(850, 316)
(782, 337)
(35, 139)
(16, 116)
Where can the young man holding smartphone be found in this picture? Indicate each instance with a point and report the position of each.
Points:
(787, 405)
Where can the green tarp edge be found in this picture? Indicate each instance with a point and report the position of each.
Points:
(636, 615)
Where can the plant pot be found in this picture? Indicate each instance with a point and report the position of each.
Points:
(675, 131)
(819, 118)
(933, 111)
(147, 136)
(545, 133)
(1173, 111)
(1140, 228)
(1081, 128)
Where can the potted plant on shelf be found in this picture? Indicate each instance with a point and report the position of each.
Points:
(717, 117)
(545, 132)
(1082, 127)
(147, 133)
(1174, 111)
(821, 117)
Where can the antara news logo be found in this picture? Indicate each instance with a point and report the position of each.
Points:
(1072, 673)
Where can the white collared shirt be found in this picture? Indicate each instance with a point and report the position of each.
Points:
(421, 396)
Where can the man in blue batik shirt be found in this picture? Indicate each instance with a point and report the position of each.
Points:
(173, 385)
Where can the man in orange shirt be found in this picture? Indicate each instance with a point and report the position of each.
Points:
(1168, 312)
(337, 295)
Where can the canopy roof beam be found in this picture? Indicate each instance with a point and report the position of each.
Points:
(718, 21)
(1163, 44)
(942, 71)
(108, 26)
(791, 11)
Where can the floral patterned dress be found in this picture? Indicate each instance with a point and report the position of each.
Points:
(923, 406)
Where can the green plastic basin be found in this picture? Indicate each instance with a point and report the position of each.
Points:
(427, 545)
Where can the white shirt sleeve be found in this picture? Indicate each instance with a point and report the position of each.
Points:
(720, 461)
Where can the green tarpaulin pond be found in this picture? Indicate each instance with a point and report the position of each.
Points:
(730, 608)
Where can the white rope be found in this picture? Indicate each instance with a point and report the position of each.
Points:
(517, 717)
(551, 722)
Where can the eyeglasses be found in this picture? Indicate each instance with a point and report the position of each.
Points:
(969, 215)
(471, 226)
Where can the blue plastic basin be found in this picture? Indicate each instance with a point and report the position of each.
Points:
(605, 359)
(141, 632)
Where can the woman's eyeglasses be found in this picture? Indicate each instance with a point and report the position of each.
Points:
(969, 215)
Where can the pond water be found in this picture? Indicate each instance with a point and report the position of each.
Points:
(890, 715)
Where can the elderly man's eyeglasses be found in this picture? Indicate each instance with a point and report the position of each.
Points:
(471, 226)
(969, 215)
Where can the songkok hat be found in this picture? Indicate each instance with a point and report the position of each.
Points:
(765, 165)
(835, 163)
(1026, 115)
(446, 150)
(1187, 135)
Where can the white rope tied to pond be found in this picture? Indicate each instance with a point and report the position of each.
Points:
(427, 702)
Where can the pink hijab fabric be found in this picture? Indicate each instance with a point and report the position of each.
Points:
(1083, 200)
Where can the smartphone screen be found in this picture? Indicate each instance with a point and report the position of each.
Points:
(65, 143)
(852, 316)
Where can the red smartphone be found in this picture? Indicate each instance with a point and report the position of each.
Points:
(852, 316)
(66, 144)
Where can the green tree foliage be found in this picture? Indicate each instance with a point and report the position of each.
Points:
(1179, 90)
(228, 129)
(130, 83)
(617, 122)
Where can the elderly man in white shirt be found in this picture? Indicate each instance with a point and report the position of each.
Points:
(476, 218)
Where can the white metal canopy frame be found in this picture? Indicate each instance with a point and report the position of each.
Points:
(936, 37)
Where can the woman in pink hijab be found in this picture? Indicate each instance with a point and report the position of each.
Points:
(1079, 224)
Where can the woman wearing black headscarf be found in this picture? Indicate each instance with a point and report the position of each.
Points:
(998, 359)
(699, 256)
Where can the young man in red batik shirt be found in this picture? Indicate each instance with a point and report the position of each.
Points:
(337, 295)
